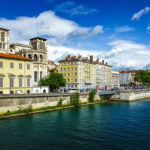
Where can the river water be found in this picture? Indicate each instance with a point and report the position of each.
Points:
(107, 126)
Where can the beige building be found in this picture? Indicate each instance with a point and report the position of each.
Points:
(79, 72)
(15, 74)
(36, 50)
(4, 40)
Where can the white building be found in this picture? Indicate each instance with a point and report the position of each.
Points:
(115, 79)
(4, 40)
(37, 50)
(103, 75)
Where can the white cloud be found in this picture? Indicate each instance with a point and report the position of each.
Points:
(124, 29)
(73, 9)
(123, 54)
(140, 13)
(58, 30)
(148, 28)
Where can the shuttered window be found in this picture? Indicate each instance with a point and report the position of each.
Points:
(1, 82)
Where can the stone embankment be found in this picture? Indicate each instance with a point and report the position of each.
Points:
(14, 102)
(131, 95)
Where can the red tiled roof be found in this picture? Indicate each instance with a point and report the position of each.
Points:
(14, 56)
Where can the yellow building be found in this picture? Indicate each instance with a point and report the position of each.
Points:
(15, 74)
(80, 73)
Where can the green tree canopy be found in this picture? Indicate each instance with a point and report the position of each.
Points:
(54, 80)
(142, 76)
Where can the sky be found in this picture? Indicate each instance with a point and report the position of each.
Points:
(117, 31)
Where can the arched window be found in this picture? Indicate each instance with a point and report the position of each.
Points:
(41, 58)
(35, 57)
(44, 91)
(2, 36)
(28, 91)
(30, 56)
(35, 76)
(41, 74)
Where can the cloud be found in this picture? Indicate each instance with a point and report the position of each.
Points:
(47, 24)
(123, 54)
(148, 28)
(140, 13)
(124, 29)
(73, 9)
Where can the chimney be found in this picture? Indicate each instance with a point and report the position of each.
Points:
(97, 60)
(102, 62)
(91, 58)
(69, 57)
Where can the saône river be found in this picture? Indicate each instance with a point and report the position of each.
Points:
(106, 126)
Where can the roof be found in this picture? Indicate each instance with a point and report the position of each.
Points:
(11, 56)
(40, 38)
(4, 29)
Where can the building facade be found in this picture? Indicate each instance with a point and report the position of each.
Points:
(15, 74)
(103, 75)
(79, 72)
(4, 40)
(36, 50)
(115, 79)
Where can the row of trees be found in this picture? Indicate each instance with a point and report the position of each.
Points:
(54, 80)
(142, 76)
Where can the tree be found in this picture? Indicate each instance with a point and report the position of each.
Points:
(54, 80)
(75, 99)
(142, 76)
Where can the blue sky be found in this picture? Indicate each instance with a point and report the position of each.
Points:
(115, 30)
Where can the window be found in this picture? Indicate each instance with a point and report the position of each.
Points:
(20, 82)
(64, 63)
(75, 68)
(35, 76)
(75, 74)
(68, 68)
(64, 69)
(71, 68)
(11, 82)
(3, 37)
(30, 56)
(11, 65)
(1, 64)
(64, 74)
(3, 46)
(41, 74)
(68, 63)
(20, 66)
(0, 45)
(75, 79)
(28, 66)
(1, 82)
(28, 82)
(72, 63)
(68, 80)
(60, 69)
(68, 74)
(35, 57)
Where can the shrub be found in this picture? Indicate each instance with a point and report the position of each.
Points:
(75, 99)
(60, 102)
(92, 94)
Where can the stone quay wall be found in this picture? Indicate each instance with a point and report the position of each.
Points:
(131, 95)
(14, 102)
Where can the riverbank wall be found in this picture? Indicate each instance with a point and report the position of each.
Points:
(15, 102)
(131, 95)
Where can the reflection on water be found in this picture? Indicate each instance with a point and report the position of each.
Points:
(111, 125)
